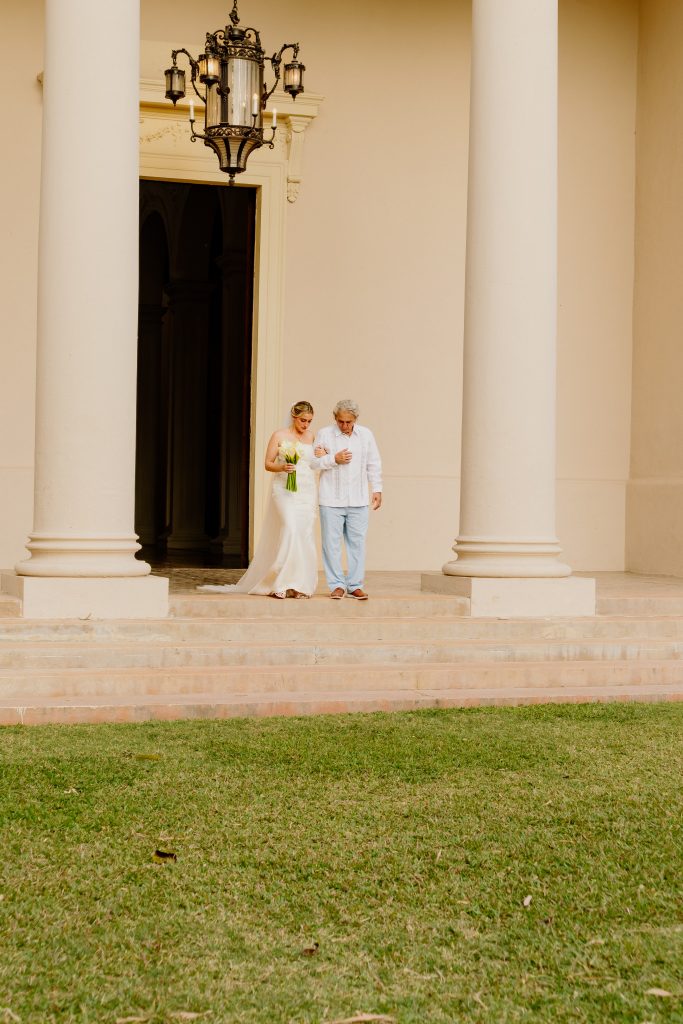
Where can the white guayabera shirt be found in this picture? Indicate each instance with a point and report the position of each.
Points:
(347, 485)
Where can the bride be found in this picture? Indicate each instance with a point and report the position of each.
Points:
(285, 563)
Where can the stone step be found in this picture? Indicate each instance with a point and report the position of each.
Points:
(19, 687)
(9, 607)
(198, 605)
(232, 655)
(156, 655)
(236, 606)
(339, 629)
(170, 706)
(233, 605)
(644, 604)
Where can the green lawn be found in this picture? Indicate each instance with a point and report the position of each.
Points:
(405, 846)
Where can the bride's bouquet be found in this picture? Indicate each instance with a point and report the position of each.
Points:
(291, 451)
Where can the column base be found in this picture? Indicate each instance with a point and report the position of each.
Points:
(87, 597)
(487, 556)
(95, 557)
(517, 598)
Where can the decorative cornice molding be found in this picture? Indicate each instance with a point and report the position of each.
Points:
(175, 129)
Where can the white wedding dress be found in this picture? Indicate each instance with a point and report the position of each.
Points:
(285, 558)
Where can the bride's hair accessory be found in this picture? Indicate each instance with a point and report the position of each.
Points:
(301, 407)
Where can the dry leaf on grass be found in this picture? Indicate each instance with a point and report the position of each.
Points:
(164, 855)
(526, 902)
(361, 1018)
(311, 950)
(188, 1015)
(131, 1020)
(661, 992)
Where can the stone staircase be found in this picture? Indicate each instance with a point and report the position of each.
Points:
(222, 656)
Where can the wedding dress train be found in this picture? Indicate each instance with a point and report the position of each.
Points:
(285, 557)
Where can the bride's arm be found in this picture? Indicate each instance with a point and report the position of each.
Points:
(314, 461)
(272, 464)
(322, 461)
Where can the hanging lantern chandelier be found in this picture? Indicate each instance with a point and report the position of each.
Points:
(235, 95)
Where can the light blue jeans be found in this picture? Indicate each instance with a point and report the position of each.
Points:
(351, 525)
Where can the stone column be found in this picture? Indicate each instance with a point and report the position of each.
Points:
(83, 544)
(507, 503)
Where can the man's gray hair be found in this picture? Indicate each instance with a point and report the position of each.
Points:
(346, 405)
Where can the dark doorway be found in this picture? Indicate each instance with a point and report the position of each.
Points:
(194, 373)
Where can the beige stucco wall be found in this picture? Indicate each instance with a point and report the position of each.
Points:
(375, 254)
(655, 504)
(21, 32)
(598, 59)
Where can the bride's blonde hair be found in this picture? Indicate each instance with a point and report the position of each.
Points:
(300, 407)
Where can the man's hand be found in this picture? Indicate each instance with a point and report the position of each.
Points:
(320, 451)
(343, 457)
(376, 500)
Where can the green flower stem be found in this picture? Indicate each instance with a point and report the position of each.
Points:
(291, 477)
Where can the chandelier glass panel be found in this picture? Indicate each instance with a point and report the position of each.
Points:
(231, 69)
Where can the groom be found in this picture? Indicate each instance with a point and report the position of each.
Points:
(349, 467)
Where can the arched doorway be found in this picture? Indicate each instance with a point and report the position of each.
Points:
(194, 373)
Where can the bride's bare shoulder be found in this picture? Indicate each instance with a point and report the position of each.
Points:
(274, 442)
